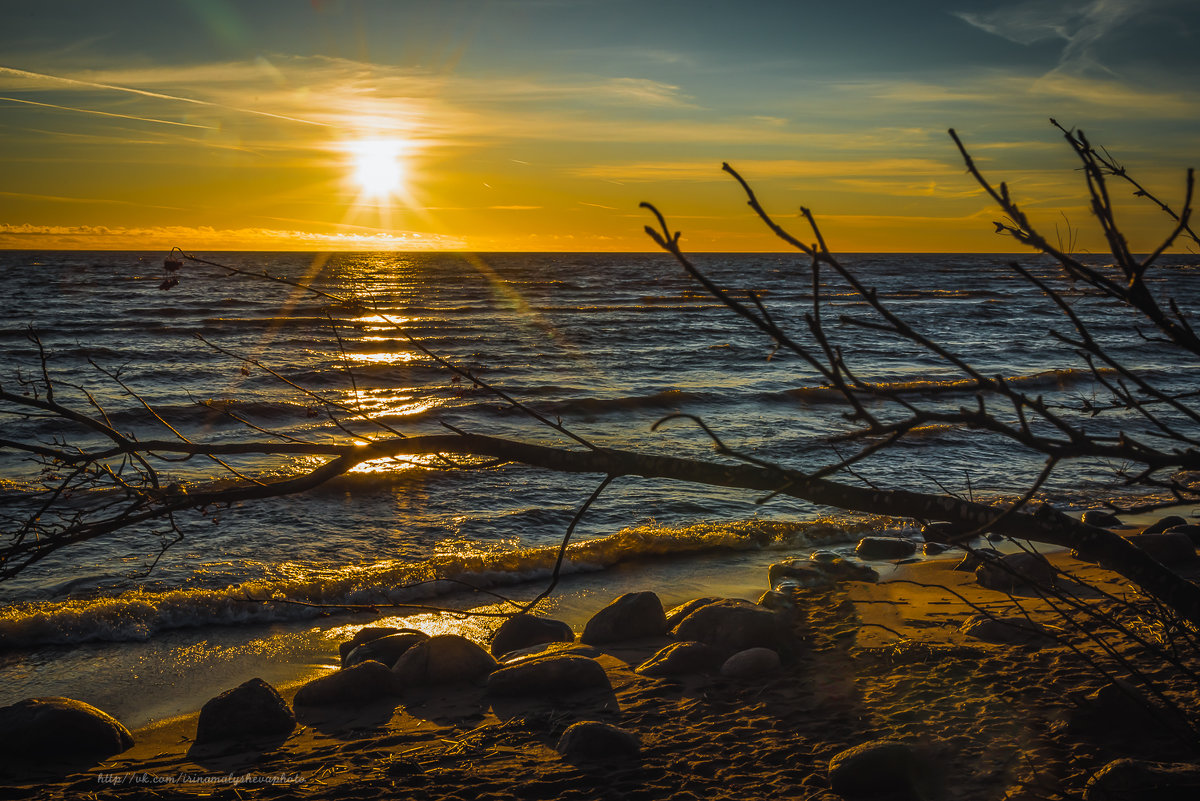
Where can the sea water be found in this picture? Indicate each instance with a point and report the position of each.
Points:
(605, 344)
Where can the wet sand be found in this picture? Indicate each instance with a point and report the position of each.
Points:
(873, 661)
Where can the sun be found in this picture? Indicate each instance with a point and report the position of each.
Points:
(378, 164)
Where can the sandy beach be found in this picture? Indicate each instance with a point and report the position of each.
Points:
(871, 662)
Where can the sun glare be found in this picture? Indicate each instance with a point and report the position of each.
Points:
(378, 166)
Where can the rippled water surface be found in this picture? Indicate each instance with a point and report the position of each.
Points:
(608, 344)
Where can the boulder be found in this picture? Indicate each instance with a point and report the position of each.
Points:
(549, 675)
(363, 682)
(782, 599)
(1166, 547)
(56, 729)
(733, 625)
(1191, 531)
(522, 631)
(386, 649)
(975, 557)
(1164, 523)
(252, 709)
(797, 574)
(1006, 630)
(881, 548)
(549, 649)
(678, 613)
(1138, 780)
(884, 767)
(934, 548)
(632, 616)
(366, 634)
(591, 739)
(680, 658)
(444, 659)
(751, 664)
(1015, 571)
(1100, 518)
(940, 532)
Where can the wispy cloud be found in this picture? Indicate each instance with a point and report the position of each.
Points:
(1082, 25)
(780, 168)
(99, 237)
(109, 114)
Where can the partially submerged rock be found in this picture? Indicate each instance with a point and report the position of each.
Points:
(591, 739)
(549, 675)
(882, 548)
(522, 631)
(680, 658)
(444, 659)
(56, 729)
(363, 682)
(252, 709)
(733, 625)
(632, 616)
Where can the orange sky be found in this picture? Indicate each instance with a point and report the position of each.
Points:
(526, 125)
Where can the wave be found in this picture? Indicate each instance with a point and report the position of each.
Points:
(667, 398)
(140, 615)
(1050, 379)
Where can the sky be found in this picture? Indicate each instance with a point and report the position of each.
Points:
(540, 125)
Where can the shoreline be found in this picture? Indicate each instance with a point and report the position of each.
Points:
(874, 661)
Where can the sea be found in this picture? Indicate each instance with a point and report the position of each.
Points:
(622, 350)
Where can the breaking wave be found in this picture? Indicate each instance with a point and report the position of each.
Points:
(306, 592)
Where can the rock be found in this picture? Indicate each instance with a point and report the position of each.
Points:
(751, 664)
(56, 729)
(1121, 710)
(444, 659)
(881, 548)
(550, 649)
(975, 557)
(733, 625)
(366, 634)
(797, 574)
(680, 658)
(1006, 630)
(1164, 523)
(678, 613)
(591, 739)
(549, 674)
(1191, 531)
(1165, 547)
(1100, 518)
(522, 631)
(934, 548)
(1015, 571)
(386, 649)
(252, 709)
(632, 616)
(940, 533)
(365, 681)
(884, 767)
(1138, 780)
(780, 600)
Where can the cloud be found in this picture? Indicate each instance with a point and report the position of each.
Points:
(1081, 24)
(100, 237)
(778, 168)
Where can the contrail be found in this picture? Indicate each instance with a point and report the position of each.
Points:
(108, 113)
(157, 95)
